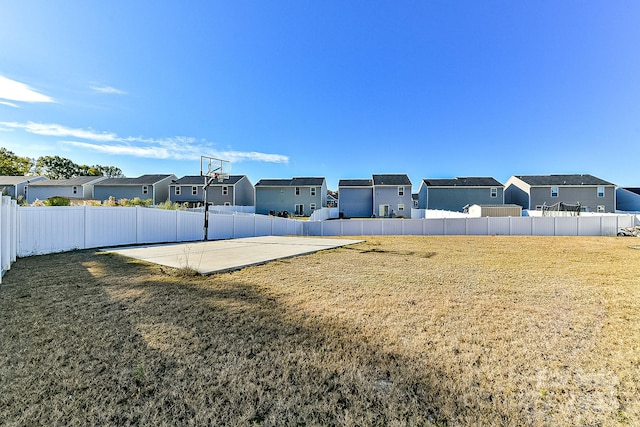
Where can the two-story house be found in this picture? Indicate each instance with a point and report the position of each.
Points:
(80, 187)
(535, 191)
(154, 187)
(454, 194)
(392, 195)
(235, 190)
(297, 196)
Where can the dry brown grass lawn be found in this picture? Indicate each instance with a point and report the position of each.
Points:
(394, 331)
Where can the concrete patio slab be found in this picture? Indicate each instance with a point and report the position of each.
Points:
(219, 256)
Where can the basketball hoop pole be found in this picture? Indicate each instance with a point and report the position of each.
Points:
(218, 170)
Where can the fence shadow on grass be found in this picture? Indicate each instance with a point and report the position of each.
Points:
(94, 338)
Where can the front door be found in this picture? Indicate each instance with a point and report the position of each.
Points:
(299, 210)
(383, 211)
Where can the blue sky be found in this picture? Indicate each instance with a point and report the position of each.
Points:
(434, 89)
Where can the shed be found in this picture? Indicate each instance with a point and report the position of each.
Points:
(478, 211)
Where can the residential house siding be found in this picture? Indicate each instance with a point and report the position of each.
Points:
(154, 187)
(297, 196)
(392, 195)
(355, 198)
(17, 186)
(569, 189)
(454, 194)
(73, 188)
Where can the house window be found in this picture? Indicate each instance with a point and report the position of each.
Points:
(600, 208)
(312, 206)
(194, 191)
(554, 191)
(297, 191)
(313, 191)
(400, 191)
(225, 190)
(600, 191)
(494, 192)
(177, 190)
(75, 190)
(145, 189)
(401, 207)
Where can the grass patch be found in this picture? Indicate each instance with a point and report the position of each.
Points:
(394, 331)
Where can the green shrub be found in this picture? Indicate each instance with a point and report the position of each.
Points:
(57, 201)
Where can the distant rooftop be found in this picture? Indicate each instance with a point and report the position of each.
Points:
(199, 180)
(141, 180)
(355, 183)
(293, 182)
(79, 180)
(472, 181)
(391, 179)
(544, 180)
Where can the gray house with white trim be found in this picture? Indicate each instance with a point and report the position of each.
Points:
(534, 191)
(392, 195)
(355, 198)
(16, 186)
(80, 187)
(297, 196)
(154, 187)
(236, 190)
(454, 194)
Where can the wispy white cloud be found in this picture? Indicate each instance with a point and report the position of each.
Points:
(176, 148)
(13, 90)
(107, 89)
(9, 104)
(51, 129)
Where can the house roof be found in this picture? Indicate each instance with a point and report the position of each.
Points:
(633, 189)
(14, 180)
(79, 180)
(577, 179)
(292, 182)
(141, 180)
(470, 181)
(199, 180)
(391, 179)
(355, 183)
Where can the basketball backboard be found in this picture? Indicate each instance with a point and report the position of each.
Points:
(215, 168)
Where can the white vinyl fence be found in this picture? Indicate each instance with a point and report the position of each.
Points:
(28, 231)
(43, 230)
(520, 226)
(8, 233)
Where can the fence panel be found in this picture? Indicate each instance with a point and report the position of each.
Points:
(352, 227)
(156, 225)
(478, 226)
(434, 227)
(372, 227)
(520, 226)
(413, 227)
(279, 226)
(46, 230)
(109, 226)
(499, 226)
(263, 225)
(455, 226)
(220, 227)
(331, 228)
(566, 225)
(543, 226)
(190, 226)
(590, 225)
(391, 227)
(244, 226)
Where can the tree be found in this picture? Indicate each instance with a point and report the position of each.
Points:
(110, 171)
(56, 167)
(12, 165)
